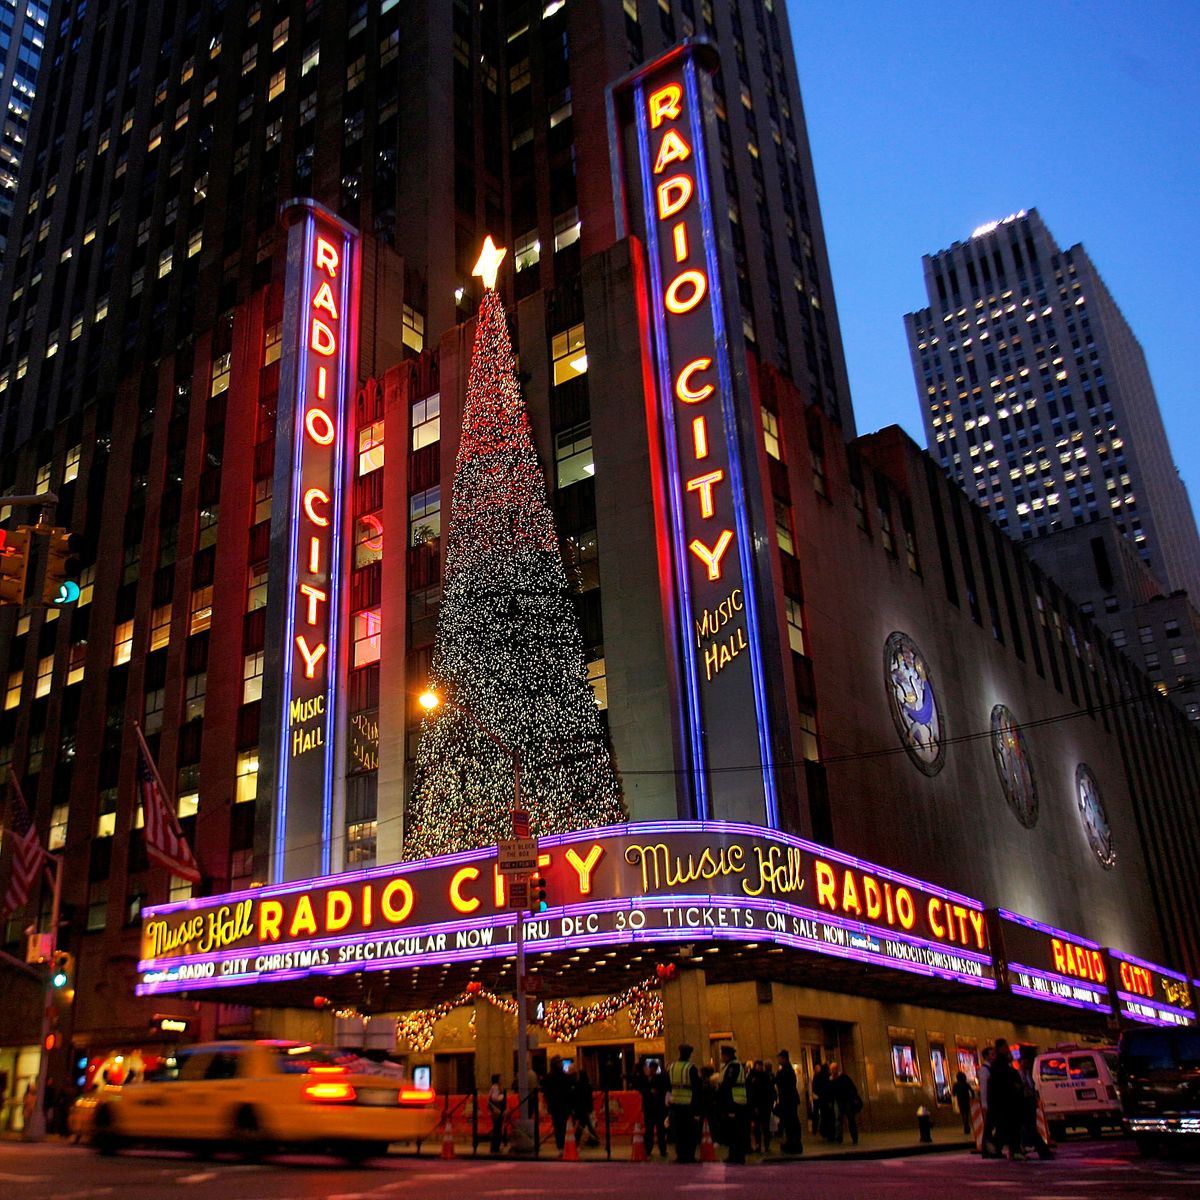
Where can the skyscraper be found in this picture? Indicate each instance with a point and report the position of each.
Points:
(1037, 399)
(22, 41)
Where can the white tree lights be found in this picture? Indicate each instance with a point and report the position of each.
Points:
(508, 648)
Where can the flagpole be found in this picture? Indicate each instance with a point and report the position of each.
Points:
(35, 1129)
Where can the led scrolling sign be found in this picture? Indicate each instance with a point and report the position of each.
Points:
(320, 350)
(653, 882)
(702, 502)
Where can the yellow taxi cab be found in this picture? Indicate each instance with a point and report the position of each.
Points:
(262, 1095)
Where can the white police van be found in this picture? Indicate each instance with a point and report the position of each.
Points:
(1078, 1088)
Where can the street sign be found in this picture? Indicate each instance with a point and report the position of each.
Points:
(520, 818)
(516, 856)
(518, 893)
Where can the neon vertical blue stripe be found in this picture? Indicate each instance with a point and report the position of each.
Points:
(693, 723)
(745, 542)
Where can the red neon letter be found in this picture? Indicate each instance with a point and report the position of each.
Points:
(311, 657)
(704, 484)
(322, 339)
(664, 103)
(324, 299)
(683, 382)
(326, 258)
(672, 195)
(319, 425)
(712, 558)
(311, 498)
(315, 597)
(698, 282)
(672, 149)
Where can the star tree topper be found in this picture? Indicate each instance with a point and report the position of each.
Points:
(489, 262)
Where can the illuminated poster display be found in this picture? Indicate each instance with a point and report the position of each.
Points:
(304, 608)
(1051, 964)
(699, 427)
(653, 882)
(1148, 993)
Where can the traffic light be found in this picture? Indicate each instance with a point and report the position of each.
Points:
(14, 564)
(61, 582)
(537, 892)
(60, 970)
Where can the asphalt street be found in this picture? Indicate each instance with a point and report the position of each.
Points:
(1082, 1171)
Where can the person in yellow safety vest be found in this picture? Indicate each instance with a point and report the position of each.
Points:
(685, 1090)
(734, 1106)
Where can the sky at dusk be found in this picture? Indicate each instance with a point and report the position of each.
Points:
(927, 121)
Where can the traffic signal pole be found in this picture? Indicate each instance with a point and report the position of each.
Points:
(35, 1128)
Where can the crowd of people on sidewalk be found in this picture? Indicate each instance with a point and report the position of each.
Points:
(1010, 1106)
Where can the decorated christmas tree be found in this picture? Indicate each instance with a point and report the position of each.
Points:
(508, 658)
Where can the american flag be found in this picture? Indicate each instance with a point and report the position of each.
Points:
(165, 843)
(28, 854)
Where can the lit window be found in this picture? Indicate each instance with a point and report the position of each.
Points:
(247, 776)
(573, 454)
(569, 352)
(250, 59)
(87, 584)
(220, 374)
(273, 343)
(567, 229)
(43, 479)
(263, 491)
(370, 448)
(122, 643)
(368, 539)
(413, 330)
(12, 694)
(597, 677)
(783, 527)
(71, 467)
(366, 637)
(207, 532)
(770, 424)
(425, 517)
(58, 827)
(527, 251)
(795, 621)
(356, 72)
(76, 663)
(252, 673)
(311, 59)
(195, 242)
(256, 589)
(278, 83)
(160, 627)
(201, 616)
(426, 421)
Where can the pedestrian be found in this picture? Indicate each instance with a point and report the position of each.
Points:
(962, 1097)
(704, 1103)
(1006, 1097)
(557, 1088)
(497, 1102)
(28, 1104)
(1030, 1134)
(653, 1086)
(685, 1083)
(760, 1092)
(788, 1105)
(733, 1105)
(583, 1097)
(845, 1101)
(821, 1122)
(985, 1075)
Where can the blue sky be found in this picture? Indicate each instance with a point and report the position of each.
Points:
(926, 121)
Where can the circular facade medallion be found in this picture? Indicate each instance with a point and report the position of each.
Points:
(1093, 816)
(1010, 753)
(913, 701)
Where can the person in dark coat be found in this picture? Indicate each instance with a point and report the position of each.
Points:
(962, 1097)
(1006, 1099)
(822, 1115)
(584, 1109)
(760, 1091)
(653, 1086)
(845, 1101)
(557, 1089)
(788, 1105)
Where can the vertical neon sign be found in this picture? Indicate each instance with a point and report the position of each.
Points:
(666, 193)
(305, 604)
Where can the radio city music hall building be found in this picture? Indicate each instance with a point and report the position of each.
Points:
(890, 794)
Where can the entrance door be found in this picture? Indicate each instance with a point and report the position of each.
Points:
(608, 1066)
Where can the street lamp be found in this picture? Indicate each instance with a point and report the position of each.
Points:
(429, 700)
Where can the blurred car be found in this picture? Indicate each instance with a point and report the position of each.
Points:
(261, 1096)
(1160, 1086)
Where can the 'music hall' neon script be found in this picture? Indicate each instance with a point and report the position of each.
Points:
(325, 328)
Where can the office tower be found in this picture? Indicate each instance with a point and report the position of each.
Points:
(1037, 399)
(22, 41)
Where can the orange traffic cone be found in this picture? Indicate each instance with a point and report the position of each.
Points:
(570, 1146)
(1043, 1126)
(708, 1152)
(977, 1125)
(638, 1152)
(448, 1141)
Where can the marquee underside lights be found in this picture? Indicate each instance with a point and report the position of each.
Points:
(305, 605)
(709, 470)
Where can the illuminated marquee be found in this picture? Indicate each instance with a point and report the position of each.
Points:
(654, 882)
(305, 603)
(1148, 993)
(700, 421)
(1050, 964)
